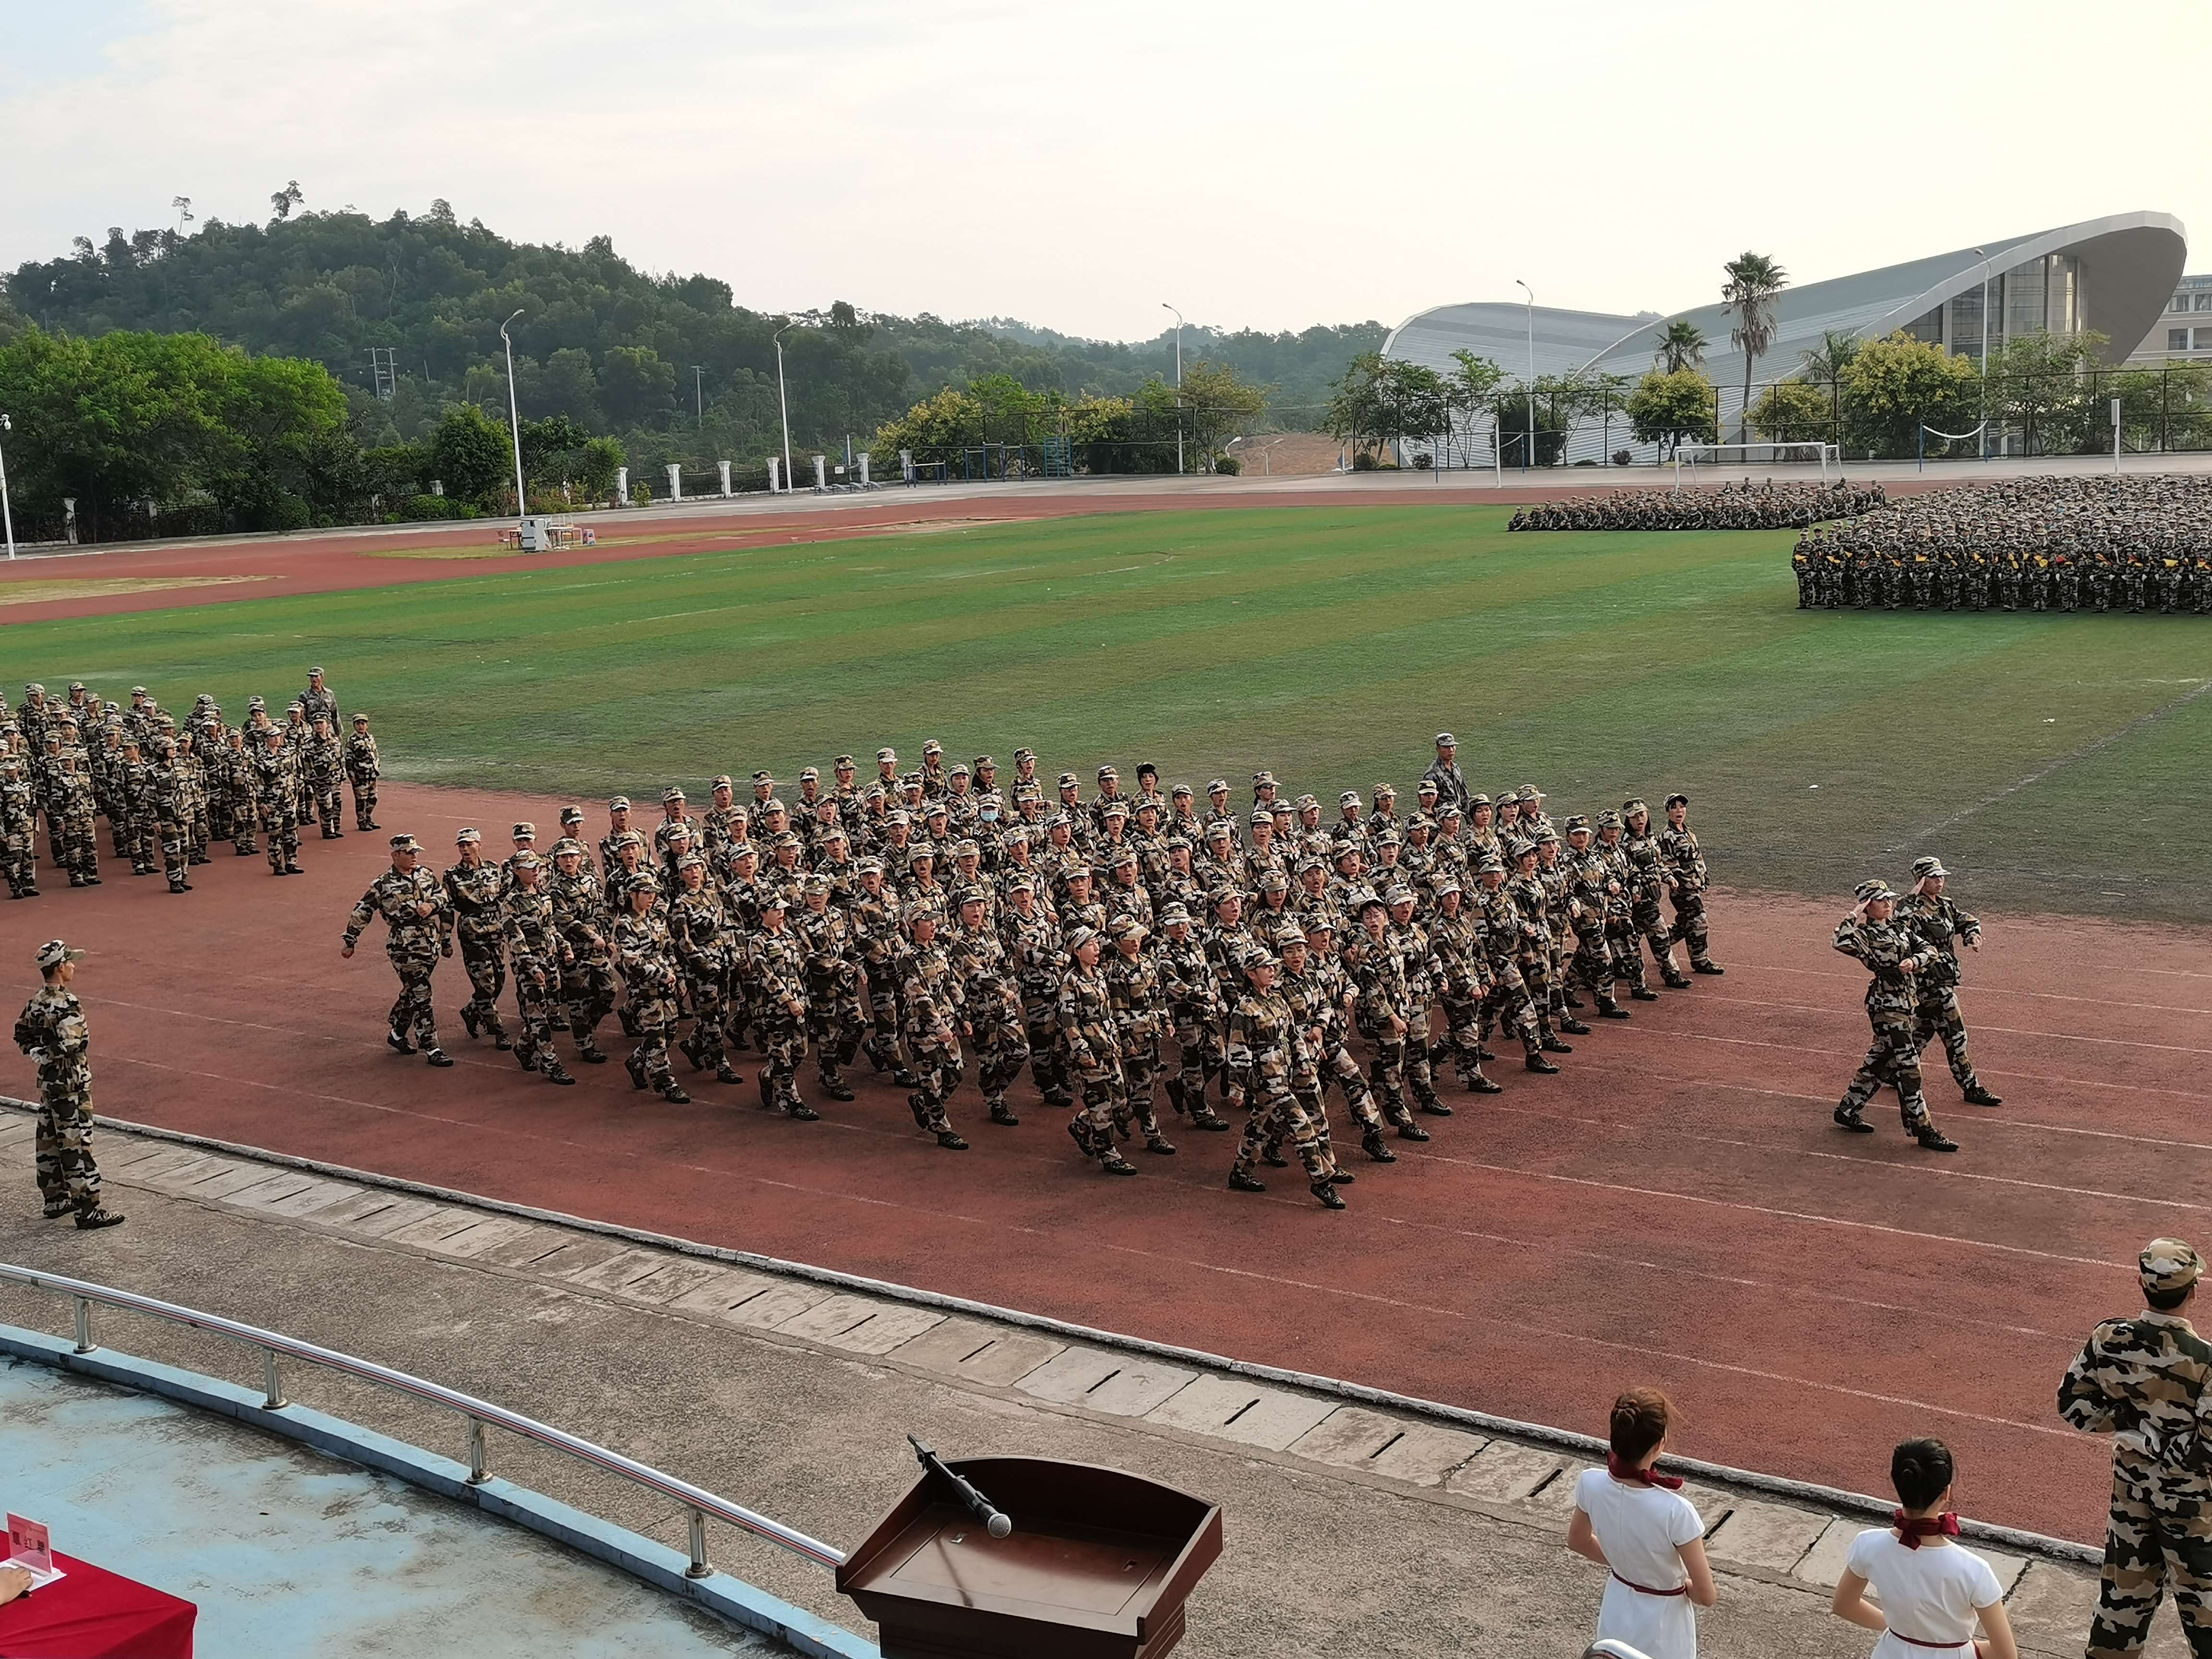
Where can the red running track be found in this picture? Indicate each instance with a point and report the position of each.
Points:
(1674, 1207)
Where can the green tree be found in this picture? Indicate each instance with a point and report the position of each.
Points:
(598, 462)
(1381, 398)
(470, 454)
(1753, 280)
(1679, 346)
(1216, 406)
(1672, 408)
(1471, 388)
(2041, 383)
(1894, 386)
(1793, 410)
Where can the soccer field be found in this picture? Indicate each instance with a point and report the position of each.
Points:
(2056, 762)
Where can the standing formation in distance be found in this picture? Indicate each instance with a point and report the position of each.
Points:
(1790, 506)
(170, 789)
(2136, 543)
(938, 926)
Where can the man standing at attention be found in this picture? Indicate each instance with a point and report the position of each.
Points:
(414, 908)
(52, 1030)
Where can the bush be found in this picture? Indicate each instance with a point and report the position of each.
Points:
(1587, 461)
(414, 509)
(1228, 464)
(1363, 461)
(1622, 457)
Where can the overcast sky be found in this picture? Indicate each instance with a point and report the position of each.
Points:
(1074, 163)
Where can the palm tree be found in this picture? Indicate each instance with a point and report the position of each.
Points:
(1681, 345)
(1753, 280)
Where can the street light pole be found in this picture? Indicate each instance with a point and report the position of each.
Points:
(1528, 438)
(6, 512)
(1985, 357)
(515, 429)
(783, 404)
(1164, 306)
(698, 393)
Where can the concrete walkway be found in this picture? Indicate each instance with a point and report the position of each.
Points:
(1350, 1530)
(286, 1552)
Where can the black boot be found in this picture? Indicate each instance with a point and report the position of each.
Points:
(555, 1073)
(1372, 1144)
(1644, 993)
(836, 1088)
(1847, 1117)
(1613, 1011)
(1933, 1139)
(1707, 967)
(399, 1042)
(1160, 1144)
(726, 1072)
(1205, 1117)
(436, 1056)
(1435, 1108)
(1410, 1130)
(1553, 1046)
(636, 1072)
(1241, 1182)
(1003, 1114)
(1977, 1096)
(1574, 1027)
(673, 1092)
(469, 1020)
(950, 1142)
(1327, 1193)
(1481, 1084)
(1536, 1062)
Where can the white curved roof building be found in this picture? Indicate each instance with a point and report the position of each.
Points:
(2113, 276)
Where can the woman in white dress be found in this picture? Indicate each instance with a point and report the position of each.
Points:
(1932, 1589)
(1634, 1522)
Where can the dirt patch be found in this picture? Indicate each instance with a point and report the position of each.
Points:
(39, 590)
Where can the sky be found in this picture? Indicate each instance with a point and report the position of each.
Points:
(1257, 163)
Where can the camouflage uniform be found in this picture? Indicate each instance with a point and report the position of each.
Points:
(646, 958)
(1504, 933)
(74, 833)
(1091, 1055)
(1937, 920)
(473, 896)
(1263, 1050)
(994, 1005)
(1883, 948)
(363, 767)
(276, 799)
(323, 763)
(775, 967)
(835, 1013)
(1197, 1016)
(1139, 1000)
(1685, 861)
(531, 933)
(1463, 962)
(699, 929)
(1316, 995)
(1652, 881)
(237, 778)
(412, 940)
(930, 1017)
(19, 826)
(171, 809)
(2148, 1382)
(52, 1030)
(1037, 951)
(587, 976)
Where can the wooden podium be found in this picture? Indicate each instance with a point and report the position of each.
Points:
(1097, 1565)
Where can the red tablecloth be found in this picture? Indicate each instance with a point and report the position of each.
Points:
(94, 1614)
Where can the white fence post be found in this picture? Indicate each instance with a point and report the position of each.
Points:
(821, 474)
(675, 481)
(725, 479)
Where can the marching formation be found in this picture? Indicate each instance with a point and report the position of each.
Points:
(169, 789)
(2132, 544)
(1788, 506)
(933, 918)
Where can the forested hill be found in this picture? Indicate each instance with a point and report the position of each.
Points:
(607, 345)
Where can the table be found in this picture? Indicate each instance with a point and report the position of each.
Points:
(96, 1614)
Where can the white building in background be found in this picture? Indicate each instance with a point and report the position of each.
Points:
(2119, 277)
(2183, 333)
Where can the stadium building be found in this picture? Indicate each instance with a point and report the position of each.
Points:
(2119, 277)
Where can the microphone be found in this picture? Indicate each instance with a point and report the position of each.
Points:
(995, 1520)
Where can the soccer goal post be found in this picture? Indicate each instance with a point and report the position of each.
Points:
(1780, 449)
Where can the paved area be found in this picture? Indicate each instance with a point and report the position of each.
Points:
(1350, 1530)
(287, 1552)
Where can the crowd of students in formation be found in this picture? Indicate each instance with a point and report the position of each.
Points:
(942, 925)
(1770, 507)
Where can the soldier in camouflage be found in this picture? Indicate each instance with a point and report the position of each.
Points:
(52, 1030)
(1264, 1049)
(1090, 1051)
(1140, 1004)
(1652, 880)
(473, 887)
(362, 769)
(19, 829)
(775, 964)
(835, 1014)
(992, 1002)
(1684, 863)
(531, 937)
(1893, 955)
(931, 1020)
(645, 958)
(2147, 1381)
(1939, 921)
(587, 975)
(414, 910)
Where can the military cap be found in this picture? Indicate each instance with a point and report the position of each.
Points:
(1383, 792)
(524, 832)
(873, 792)
(1307, 864)
(359, 719)
(1349, 798)
(680, 830)
(1019, 832)
(1609, 820)
(1629, 809)
(467, 835)
(619, 804)
(1347, 850)
(33, 685)
(1127, 855)
(571, 815)
(1221, 896)
(1360, 900)
(931, 746)
(1274, 881)
(1106, 772)
(1305, 801)
(772, 898)
(1529, 791)
(53, 953)
(914, 855)
(836, 832)
(1318, 923)
(1256, 955)
(810, 774)
(1218, 830)
(527, 860)
(1283, 809)
(54, 738)
(1076, 872)
(984, 763)
(1427, 786)
(722, 782)
(1116, 808)
(1181, 792)
(1389, 838)
(1446, 882)
(1398, 896)
(886, 755)
(1262, 779)
(1449, 810)
(256, 702)
(936, 809)
(405, 844)
(1123, 927)
(630, 838)
(959, 770)
(1873, 887)
(1079, 938)
(1261, 815)
(1489, 862)
(1546, 833)
(771, 804)
(1678, 799)
(842, 764)
(1216, 785)
(568, 847)
(2166, 1264)
(165, 747)
(1927, 865)
(1022, 883)
(295, 708)
(76, 685)
(671, 794)
(1174, 844)
(1575, 821)
(314, 673)
(1069, 781)
(870, 868)
(141, 691)
(1021, 755)
(690, 861)
(966, 849)
(1175, 916)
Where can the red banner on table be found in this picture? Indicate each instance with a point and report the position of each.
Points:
(94, 1614)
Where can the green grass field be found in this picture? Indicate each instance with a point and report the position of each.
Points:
(2059, 762)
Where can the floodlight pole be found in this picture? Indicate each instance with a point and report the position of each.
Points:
(6, 512)
(698, 393)
(514, 430)
(1528, 438)
(783, 404)
(1164, 306)
(1985, 352)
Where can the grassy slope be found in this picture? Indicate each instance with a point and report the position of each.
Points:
(1327, 644)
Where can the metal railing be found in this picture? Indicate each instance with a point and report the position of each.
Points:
(275, 1348)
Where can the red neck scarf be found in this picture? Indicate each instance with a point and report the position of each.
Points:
(1652, 1476)
(1911, 1531)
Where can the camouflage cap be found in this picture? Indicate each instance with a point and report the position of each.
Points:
(53, 953)
(722, 780)
(141, 691)
(1478, 798)
(2167, 1265)
(1181, 792)
(1349, 798)
(1123, 927)
(958, 769)
(966, 849)
(1609, 820)
(571, 815)
(1490, 864)
(619, 804)
(1106, 772)
(1274, 881)
(842, 764)
(405, 844)
(1361, 900)
(870, 866)
(931, 746)
(1175, 916)
(1383, 792)
(527, 859)
(1021, 883)
(1116, 808)
(76, 685)
(1216, 785)
(1927, 865)
(1449, 810)
(1426, 787)
(936, 809)
(467, 835)
(914, 855)
(1021, 755)
(1126, 859)
(1307, 864)
(1319, 923)
(771, 804)
(984, 763)
(1446, 882)
(1346, 849)
(566, 847)
(1262, 780)
(1076, 872)
(254, 702)
(1517, 849)
(1678, 799)
(314, 673)
(679, 831)
(671, 794)
(1546, 835)
(810, 774)
(359, 719)
(1219, 831)
(1872, 889)
(886, 757)
(772, 898)
(1576, 821)
(1174, 843)
(1398, 895)
(1222, 894)
(1261, 815)
(1079, 938)
(1388, 838)
(631, 838)
(1629, 809)
(1445, 740)
(33, 685)
(524, 832)
(1529, 791)
(690, 861)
